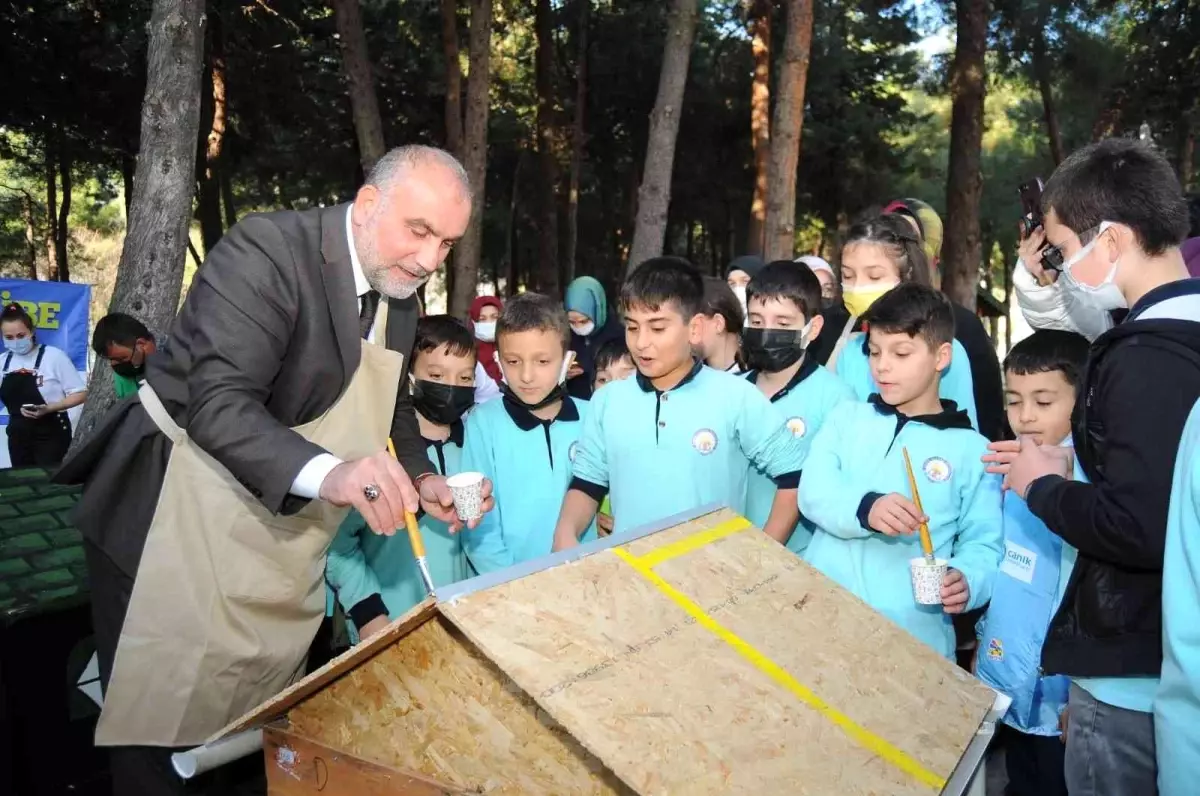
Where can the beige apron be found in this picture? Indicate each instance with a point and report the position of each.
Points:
(228, 596)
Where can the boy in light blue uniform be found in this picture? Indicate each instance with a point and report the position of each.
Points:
(1042, 374)
(679, 434)
(525, 442)
(783, 302)
(375, 577)
(1177, 704)
(855, 486)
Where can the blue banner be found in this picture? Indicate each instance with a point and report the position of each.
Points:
(60, 313)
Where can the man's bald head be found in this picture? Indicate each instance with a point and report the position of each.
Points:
(415, 204)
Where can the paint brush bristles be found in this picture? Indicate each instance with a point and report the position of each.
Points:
(926, 540)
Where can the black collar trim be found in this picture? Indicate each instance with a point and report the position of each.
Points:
(950, 416)
(647, 386)
(456, 435)
(528, 421)
(806, 369)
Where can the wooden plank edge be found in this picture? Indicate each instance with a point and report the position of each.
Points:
(352, 658)
(297, 766)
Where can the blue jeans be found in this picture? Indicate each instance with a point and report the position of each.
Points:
(1110, 750)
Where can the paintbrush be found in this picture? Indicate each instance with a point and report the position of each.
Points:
(926, 540)
(414, 537)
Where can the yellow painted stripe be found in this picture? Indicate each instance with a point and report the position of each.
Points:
(694, 541)
(860, 735)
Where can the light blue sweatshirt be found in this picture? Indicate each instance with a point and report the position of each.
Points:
(854, 368)
(373, 574)
(529, 462)
(1177, 703)
(804, 403)
(858, 457)
(662, 453)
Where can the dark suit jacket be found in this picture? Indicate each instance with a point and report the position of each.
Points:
(266, 339)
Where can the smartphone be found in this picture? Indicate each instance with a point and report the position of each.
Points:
(1031, 204)
(29, 406)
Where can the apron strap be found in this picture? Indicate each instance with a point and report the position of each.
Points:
(159, 414)
(37, 363)
(831, 363)
(7, 361)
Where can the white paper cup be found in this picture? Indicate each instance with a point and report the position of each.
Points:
(467, 489)
(927, 580)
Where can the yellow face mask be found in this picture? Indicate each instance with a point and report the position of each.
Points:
(859, 298)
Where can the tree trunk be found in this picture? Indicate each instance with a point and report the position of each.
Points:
(760, 121)
(964, 182)
(30, 238)
(547, 263)
(1187, 152)
(454, 120)
(211, 227)
(785, 132)
(62, 229)
(475, 134)
(51, 213)
(570, 251)
(654, 195)
(1041, 68)
(150, 274)
(356, 62)
(227, 197)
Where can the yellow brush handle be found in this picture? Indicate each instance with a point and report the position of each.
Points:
(414, 534)
(926, 540)
(391, 448)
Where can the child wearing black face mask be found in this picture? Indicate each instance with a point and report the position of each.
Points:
(783, 303)
(375, 577)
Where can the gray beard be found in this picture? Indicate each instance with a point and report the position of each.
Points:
(388, 284)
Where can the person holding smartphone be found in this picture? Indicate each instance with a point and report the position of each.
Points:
(39, 383)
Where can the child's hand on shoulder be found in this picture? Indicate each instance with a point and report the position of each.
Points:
(895, 515)
(955, 593)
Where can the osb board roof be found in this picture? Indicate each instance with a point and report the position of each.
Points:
(709, 659)
(361, 653)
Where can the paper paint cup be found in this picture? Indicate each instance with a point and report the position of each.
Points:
(927, 580)
(467, 490)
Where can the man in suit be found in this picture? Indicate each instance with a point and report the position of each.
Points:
(265, 361)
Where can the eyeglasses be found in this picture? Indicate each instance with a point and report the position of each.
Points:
(1052, 256)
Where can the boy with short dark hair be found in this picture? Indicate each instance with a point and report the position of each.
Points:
(613, 363)
(525, 442)
(784, 304)
(1042, 374)
(678, 435)
(1115, 216)
(856, 490)
(375, 577)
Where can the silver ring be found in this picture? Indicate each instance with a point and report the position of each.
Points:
(371, 493)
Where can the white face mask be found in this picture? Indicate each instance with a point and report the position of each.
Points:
(584, 329)
(485, 330)
(1103, 297)
(740, 292)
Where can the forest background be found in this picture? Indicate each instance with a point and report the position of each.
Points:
(565, 107)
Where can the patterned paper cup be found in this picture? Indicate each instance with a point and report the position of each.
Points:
(927, 580)
(467, 489)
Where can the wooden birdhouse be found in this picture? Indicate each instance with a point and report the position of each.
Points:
(699, 657)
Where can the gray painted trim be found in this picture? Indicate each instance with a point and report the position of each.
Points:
(526, 568)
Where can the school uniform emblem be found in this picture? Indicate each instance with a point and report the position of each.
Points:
(995, 650)
(797, 426)
(571, 451)
(705, 441)
(937, 469)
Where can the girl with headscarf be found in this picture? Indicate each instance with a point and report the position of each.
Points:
(591, 327)
(485, 310)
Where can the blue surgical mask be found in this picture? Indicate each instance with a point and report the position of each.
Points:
(20, 347)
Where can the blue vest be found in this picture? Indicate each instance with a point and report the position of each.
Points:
(1011, 634)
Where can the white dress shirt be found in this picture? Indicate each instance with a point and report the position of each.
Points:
(312, 475)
